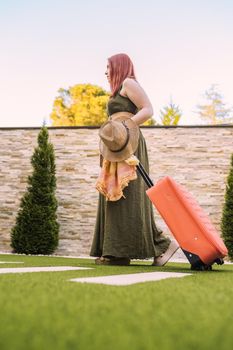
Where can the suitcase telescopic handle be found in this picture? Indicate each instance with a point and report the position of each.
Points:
(144, 175)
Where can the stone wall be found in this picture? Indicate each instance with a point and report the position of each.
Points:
(197, 157)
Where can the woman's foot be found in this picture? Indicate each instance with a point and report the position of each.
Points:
(112, 261)
(163, 258)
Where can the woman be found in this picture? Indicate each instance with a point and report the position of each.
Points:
(125, 229)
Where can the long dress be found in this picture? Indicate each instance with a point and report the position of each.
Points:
(126, 228)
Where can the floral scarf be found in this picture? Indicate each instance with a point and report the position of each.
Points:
(115, 176)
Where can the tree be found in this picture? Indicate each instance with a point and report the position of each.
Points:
(36, 228)
(227, 216)
(214, 111)
(170, 114)
(150, 122)
(82, 104)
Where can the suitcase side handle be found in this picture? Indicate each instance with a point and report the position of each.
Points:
(145, 176)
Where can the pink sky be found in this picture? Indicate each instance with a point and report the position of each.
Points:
(179, 49)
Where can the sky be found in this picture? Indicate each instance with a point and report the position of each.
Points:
(179, 49)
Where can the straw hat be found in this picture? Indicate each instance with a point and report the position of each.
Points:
(118, 137)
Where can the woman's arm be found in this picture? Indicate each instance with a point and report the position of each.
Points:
(137, 95)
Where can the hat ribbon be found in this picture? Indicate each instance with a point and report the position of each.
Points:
(127, 140)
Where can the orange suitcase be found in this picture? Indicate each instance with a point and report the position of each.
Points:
(191, 227)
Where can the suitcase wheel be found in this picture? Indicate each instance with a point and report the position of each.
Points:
(202, 267)
(219, 261)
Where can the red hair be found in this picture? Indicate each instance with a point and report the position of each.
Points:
(121, 67)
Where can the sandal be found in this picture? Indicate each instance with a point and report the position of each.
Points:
(163, 258)
(112, 261)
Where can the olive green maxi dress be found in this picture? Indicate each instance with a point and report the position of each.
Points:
(126, 228)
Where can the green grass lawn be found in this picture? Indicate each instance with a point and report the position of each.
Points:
(44, 310)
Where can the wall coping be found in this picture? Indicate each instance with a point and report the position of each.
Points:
(97, 127)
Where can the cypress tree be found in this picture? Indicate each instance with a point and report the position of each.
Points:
(227, 216)
(36, 229)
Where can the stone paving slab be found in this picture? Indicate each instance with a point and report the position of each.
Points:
(11, 262)
(41, 269)
(125, 280)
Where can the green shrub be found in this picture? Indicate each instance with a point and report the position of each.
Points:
(36, 229)
(227, 216)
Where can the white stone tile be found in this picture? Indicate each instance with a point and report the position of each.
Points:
(41, 269)
(11, 262)
(125, 280)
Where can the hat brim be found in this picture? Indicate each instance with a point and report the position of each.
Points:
(131, 146)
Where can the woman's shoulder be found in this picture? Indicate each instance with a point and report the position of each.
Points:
(129, 82)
